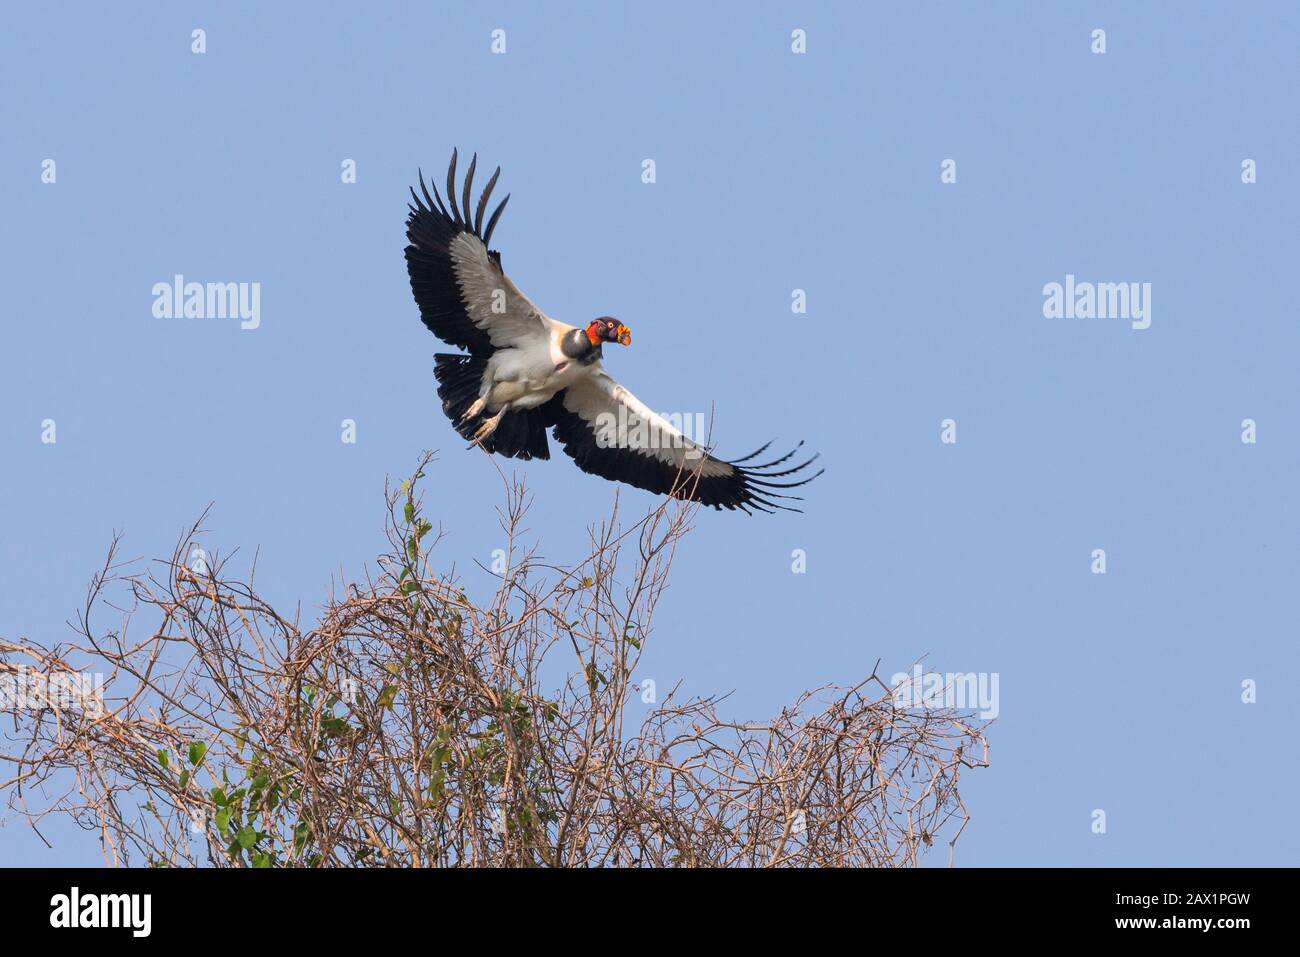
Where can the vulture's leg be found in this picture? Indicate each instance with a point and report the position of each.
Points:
(489, 426)
(478, 405)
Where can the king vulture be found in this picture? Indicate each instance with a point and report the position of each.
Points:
(525, 372)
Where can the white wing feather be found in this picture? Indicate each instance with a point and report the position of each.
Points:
(621, 420)
(494, 303)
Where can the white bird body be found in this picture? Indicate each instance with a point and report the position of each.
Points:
(528, 375)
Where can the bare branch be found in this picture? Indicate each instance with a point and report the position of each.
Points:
(413, 726)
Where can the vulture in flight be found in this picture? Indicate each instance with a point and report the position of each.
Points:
(523, 372)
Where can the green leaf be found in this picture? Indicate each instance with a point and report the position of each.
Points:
(223, 820)
(218, 797)
(246, 837)
(185, 778)
(162, 757)
(334, 727)
(262, 860)
(197, 750)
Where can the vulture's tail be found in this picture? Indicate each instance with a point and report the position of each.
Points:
(519, 435)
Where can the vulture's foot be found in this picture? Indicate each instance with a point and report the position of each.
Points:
(488, 427)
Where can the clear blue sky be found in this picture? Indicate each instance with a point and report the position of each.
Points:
(775, 172)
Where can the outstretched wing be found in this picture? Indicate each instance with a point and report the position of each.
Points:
(609, 432)
(465, 297)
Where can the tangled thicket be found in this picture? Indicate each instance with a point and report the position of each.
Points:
(412, 726)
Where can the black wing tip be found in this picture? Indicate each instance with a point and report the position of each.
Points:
(749, 488)
(757, 484)
(465, 215)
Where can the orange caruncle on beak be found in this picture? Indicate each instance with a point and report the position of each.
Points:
(624, 335)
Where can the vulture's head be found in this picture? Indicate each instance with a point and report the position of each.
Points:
(608, 329)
